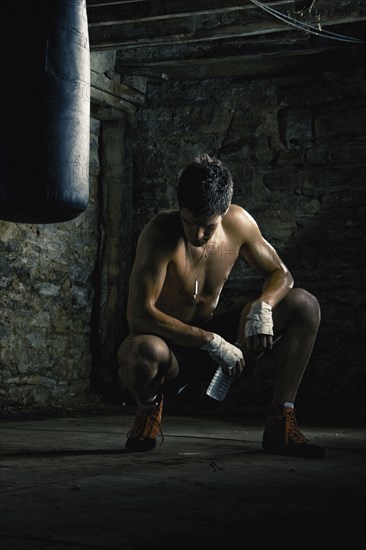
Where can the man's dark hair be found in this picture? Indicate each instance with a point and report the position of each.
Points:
(205, 187)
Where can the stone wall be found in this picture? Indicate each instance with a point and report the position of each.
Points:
(295, 145)
(46, 301)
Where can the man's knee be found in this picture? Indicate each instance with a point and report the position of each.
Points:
(145, 362)
(305, 305)
(140, 355)
(145, 347)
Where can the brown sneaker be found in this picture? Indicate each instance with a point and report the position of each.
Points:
(282, 435)
(142, 436)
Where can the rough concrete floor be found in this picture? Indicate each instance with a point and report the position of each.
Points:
(68, 483)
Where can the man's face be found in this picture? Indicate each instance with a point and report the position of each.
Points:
(199, 230)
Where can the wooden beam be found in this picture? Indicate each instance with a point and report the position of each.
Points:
(110, 99)
(198, 31)
(262, 44)
(110, 11)
(115, 89)
(104, 112)
(161, 38)
(285, 62)
(148, 10)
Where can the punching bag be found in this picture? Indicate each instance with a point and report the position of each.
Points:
(44, 110)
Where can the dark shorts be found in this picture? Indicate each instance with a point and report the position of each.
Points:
(196, 365)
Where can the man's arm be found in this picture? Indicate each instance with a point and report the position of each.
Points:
(278, 281)
(153, 255)
(264, 260)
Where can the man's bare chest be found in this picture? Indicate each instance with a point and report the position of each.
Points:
(204, 269)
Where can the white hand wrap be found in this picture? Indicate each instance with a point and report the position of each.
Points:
(222, 352)
(259, 320)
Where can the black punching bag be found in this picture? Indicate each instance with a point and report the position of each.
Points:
(44, 110)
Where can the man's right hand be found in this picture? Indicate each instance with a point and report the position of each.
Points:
(224, 354)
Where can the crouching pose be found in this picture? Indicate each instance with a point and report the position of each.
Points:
(183, 259)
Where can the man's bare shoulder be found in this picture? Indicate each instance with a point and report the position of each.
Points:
(164, 227)
(239, 220)
(165, 219)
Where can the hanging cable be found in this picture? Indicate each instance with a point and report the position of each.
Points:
(306, 26)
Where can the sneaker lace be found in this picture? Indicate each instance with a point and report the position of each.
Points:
(146, 423)
(292, 430)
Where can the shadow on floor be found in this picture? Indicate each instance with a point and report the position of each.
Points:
(68, 483)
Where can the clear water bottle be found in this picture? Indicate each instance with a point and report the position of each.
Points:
(219, 385)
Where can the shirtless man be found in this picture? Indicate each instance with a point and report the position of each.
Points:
(183, 259)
